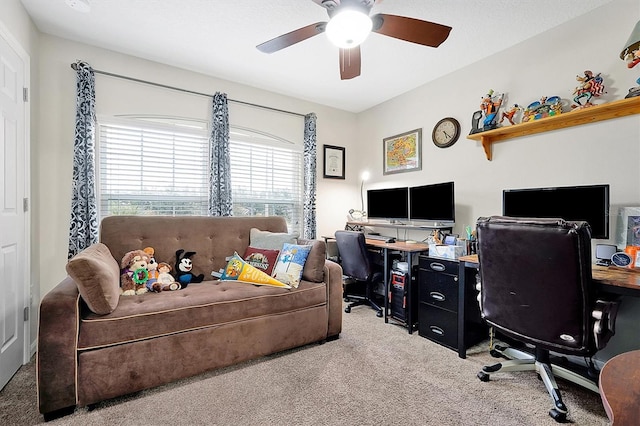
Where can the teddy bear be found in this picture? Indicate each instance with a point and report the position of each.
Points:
(152, 267)
(133, 273)
(165, 281)
(183, 269)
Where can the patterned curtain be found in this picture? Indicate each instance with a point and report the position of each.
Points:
(83, 227)
(220, 202)
(309, 226)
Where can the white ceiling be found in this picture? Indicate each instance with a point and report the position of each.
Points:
(218, 38)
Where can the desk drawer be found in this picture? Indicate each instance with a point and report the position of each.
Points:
(438, 289)
(438, 325)
(439, 265)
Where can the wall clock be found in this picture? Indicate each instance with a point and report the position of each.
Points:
(446, 132)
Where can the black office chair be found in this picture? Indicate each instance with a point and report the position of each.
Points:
(356, 266)
(535, 287)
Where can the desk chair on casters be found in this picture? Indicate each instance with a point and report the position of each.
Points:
(356, 265)
(535, 288)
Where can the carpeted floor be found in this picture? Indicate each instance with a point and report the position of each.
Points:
(375, 374)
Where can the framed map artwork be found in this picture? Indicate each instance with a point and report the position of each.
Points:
(403, 152)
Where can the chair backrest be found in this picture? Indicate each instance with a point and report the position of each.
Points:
(354, 256)
(535, 279)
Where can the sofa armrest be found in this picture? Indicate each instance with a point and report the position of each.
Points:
(57, 341)
(333, 279)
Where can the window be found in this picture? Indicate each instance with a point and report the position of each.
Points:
(159, 166)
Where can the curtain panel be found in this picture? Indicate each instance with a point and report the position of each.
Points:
(220, 200)
(309, 226)
(83, 227)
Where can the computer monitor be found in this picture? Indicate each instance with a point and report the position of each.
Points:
(389, 203)
(588, 202)
(435, 202)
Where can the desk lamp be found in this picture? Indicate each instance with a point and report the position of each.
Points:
(631, 54)
(360, 214)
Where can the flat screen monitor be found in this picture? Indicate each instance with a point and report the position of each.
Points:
(589, 203)
(435, 202)
(389, 203)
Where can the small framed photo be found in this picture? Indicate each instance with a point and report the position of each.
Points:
(333, 162)
(403, 152)
(628, 227)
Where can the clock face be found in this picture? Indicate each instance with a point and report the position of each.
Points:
(446, 132)
(621, 259)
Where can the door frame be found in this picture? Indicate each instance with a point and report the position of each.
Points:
(29, 290)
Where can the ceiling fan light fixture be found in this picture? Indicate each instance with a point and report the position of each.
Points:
(349, 28)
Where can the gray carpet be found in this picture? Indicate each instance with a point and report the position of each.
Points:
(375, 374)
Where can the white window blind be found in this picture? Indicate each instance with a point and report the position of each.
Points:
(150, 168)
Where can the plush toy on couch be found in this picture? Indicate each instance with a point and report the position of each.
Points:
(152, 267)
(184, 276)
(134, 273)
(165, 281)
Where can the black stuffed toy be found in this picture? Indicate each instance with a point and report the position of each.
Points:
(183, 269)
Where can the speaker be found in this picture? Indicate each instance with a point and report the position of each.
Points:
(604, 253)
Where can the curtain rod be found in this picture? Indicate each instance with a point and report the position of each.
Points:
(137, 80)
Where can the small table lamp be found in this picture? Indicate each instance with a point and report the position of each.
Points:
(631, 54)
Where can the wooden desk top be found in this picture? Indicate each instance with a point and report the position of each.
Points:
(621, 278)
(399, 245)
(620, 388)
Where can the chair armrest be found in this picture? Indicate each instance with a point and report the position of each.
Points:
(333, 280)
(57, 342)
(604, 326)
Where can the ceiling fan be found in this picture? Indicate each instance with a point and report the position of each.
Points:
(349, 25)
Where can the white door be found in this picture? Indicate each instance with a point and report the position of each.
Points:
(13, 253)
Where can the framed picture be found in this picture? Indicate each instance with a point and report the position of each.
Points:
(628, 227)
(403, 152)
(333, 162)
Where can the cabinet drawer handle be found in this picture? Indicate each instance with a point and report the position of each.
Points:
(436, 330)
(437, 266)
(437, 296)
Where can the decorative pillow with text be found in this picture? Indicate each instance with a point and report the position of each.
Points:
(291, 264)
(262, 259)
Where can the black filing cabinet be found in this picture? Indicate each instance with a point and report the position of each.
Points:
(445, 310)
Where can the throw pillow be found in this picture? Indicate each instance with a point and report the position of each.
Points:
(262, 259)
(97, 276)
(291, 263)
(314, 266)
(271, 240)
(240, 271)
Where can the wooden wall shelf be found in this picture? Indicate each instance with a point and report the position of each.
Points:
(614, 109)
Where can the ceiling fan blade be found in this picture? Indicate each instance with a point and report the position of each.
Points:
(349, 63)
(410, 29)
(288, 39)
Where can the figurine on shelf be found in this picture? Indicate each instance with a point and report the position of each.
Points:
(545, 107)
(509, 115)
(633, 59)
(590, 86)
(489, 107)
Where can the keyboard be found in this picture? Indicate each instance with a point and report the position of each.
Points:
(381, 238)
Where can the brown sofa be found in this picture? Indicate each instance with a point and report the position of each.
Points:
(154, 338)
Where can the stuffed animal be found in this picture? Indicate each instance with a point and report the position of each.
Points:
(183, 269)
(133, 273)
(165, 281)
(152, 267)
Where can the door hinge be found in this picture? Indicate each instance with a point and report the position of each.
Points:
(26, 313)
(25, 205)
(25, 94)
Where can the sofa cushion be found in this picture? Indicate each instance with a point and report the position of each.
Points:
(314, 266)
(262, 259)
(207, 304)
(97, 276)
(271, 240)
(290, 263)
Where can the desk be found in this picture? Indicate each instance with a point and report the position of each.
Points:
(408, 250)
(608, 279)
(620, 388)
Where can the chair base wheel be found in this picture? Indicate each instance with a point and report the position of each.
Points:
(379, 314)
(347, 309)
(558, 416)
(484, 377)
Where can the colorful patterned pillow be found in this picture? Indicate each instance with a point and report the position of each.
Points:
(240, 271)
(262, 259)
(291, 263)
